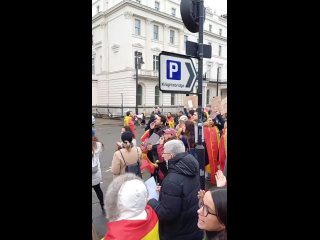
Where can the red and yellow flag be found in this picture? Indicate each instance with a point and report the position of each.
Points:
(212, 140)
(147, 229)
(223, 149)
(147, 164)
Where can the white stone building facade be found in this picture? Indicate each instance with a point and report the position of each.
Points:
(119, 28)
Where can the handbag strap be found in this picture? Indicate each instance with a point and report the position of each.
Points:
(138, 155)
(138, 162)
(123, 158)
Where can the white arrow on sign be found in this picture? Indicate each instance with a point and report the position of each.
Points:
(176, 73)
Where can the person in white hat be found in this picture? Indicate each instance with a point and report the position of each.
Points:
(130, 218)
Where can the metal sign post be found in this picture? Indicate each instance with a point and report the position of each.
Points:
(193, 16)
(199, 148)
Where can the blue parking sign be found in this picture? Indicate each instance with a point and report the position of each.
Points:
(173, 70)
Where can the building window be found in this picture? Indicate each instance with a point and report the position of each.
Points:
(171, 36)
(185, 41)
(208, 96)
(210, 28)
(172, 99)
(173, 12)
(98, 9)
(155, 63)
(220, 31)
(137, 26)
(157, 5)
(156, 95)
(138, 1)
(220, 49)
(93, 66)
(155, 32)
(139, 93)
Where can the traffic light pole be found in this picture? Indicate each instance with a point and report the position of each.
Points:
(217, 81)
(136, 66)
(200, 148)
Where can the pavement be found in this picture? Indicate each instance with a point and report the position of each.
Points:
(108, 132)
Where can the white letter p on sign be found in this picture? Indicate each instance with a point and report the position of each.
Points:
(173, 67)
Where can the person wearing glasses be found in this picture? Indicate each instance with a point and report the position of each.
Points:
(178, 202)
(212, 213)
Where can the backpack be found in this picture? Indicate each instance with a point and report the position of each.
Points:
(133, 168)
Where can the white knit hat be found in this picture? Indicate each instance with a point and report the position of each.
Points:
(132, 200)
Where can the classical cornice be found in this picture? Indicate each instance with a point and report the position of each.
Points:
(219, 57)
(156, 41)
(216, 22)
(115, 48)
(95, 2)
(127, 69)
(172, 1)
(137, 6)
(137, 45)
(97, 16)
(139, 36)
(128, 15)
(156, 49)
(97, 44)
(214, 35)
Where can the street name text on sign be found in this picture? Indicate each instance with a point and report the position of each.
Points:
(176, 73)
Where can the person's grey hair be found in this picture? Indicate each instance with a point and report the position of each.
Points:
(111, 196)
(174, 147)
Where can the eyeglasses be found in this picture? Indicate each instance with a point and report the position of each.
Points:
(166, 153)
(205, 209)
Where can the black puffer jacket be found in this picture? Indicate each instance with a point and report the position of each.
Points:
(178, 201)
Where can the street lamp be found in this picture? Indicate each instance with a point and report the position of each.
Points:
(217, 80)
(138, 61)
(122, 105)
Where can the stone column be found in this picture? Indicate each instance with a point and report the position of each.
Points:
(181, 41)
(165, 36)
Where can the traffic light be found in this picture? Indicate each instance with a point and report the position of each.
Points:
(190, 10)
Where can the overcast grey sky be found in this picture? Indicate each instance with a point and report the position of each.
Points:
(219, 5)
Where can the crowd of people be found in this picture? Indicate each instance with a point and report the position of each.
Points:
(182, 210)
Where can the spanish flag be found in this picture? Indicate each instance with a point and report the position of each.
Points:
(135, 229)
(145, 136)
(212, 140)
(146, 163)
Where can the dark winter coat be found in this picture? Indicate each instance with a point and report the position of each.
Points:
(178, 202)
(222, 235)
